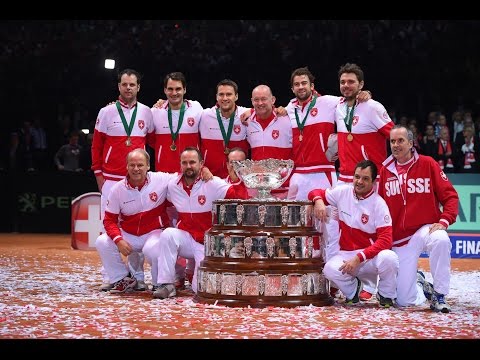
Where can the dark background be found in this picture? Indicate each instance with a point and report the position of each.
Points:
(411, 66)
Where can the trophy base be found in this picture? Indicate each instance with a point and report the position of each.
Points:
(261, 283)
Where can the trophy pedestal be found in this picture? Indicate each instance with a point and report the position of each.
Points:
(260, 253)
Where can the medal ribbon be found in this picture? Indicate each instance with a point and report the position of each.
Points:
(226, 136)
(128, 127)
(180, 121)
(349, 118)
(301, 125)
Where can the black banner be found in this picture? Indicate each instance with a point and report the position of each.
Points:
(41, 202)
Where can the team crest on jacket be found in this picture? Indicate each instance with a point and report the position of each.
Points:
(202, 199)
(153, 196)
(364, 219)
(141, 124)
(355, 120)
(237, 129)
(314, 112)
(386, 218)
(191, 121)
(444, 177)
(275, 134)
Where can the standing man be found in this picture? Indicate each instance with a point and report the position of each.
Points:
(366, 236)
(120, 128)
(269, 134)
(423, 203)
(312, 119)
(193, 198)
(176, 124)
(221, 129)
(135, 215)
(363, 129)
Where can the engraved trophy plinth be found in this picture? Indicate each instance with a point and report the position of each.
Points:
(263, 175)
(261, 252)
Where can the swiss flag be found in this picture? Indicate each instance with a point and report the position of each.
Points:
(86, 222)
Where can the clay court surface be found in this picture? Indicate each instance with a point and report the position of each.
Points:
(49, 291)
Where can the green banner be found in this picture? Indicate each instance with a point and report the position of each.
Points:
(468, 218)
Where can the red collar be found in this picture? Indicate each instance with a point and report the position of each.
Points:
(125, 105)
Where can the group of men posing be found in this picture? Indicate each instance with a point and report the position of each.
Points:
(372, 232)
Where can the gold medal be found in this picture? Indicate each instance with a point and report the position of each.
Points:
(350, 137)
(128, 142)
(300, 137)
(173, 147)
(226, 151)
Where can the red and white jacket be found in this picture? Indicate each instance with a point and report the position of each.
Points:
(273, 142)
(365, 223)
(309, 154)
(427, 187)
(109, 149)
(212, 145)
(194, 204)
(166, 159)
(371, 127)
(137, 211)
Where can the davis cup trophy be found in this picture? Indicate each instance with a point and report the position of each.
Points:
(263, 175)
(260, 252)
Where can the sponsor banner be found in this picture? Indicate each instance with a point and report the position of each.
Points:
(468, 219)
(86, 222)
(465, 246)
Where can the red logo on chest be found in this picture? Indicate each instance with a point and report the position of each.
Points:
(236, 129)
(314, 112)
(141, 124)
(153, 196)
(275, 134)
(202, 199)
(364, 219)
(355, 120)
(191, 121)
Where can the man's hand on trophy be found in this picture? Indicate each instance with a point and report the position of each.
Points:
(320, 210)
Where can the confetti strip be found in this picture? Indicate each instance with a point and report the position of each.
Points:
(52, 292)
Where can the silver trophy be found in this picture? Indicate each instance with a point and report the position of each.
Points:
(263, 175)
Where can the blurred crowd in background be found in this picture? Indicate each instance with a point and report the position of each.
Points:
(424, 72)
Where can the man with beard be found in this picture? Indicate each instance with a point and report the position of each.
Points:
(193, 199)
(363, 129)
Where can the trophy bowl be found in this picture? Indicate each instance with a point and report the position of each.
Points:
(263, 175)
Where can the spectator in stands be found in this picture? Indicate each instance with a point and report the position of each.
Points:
(429, 142)
(468, 152)
(39, 145)
(67, 158)
(445, 153)
(417, 138)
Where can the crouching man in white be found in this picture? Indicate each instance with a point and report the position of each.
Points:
(365, 236)
(193, 198)
(135, 214)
